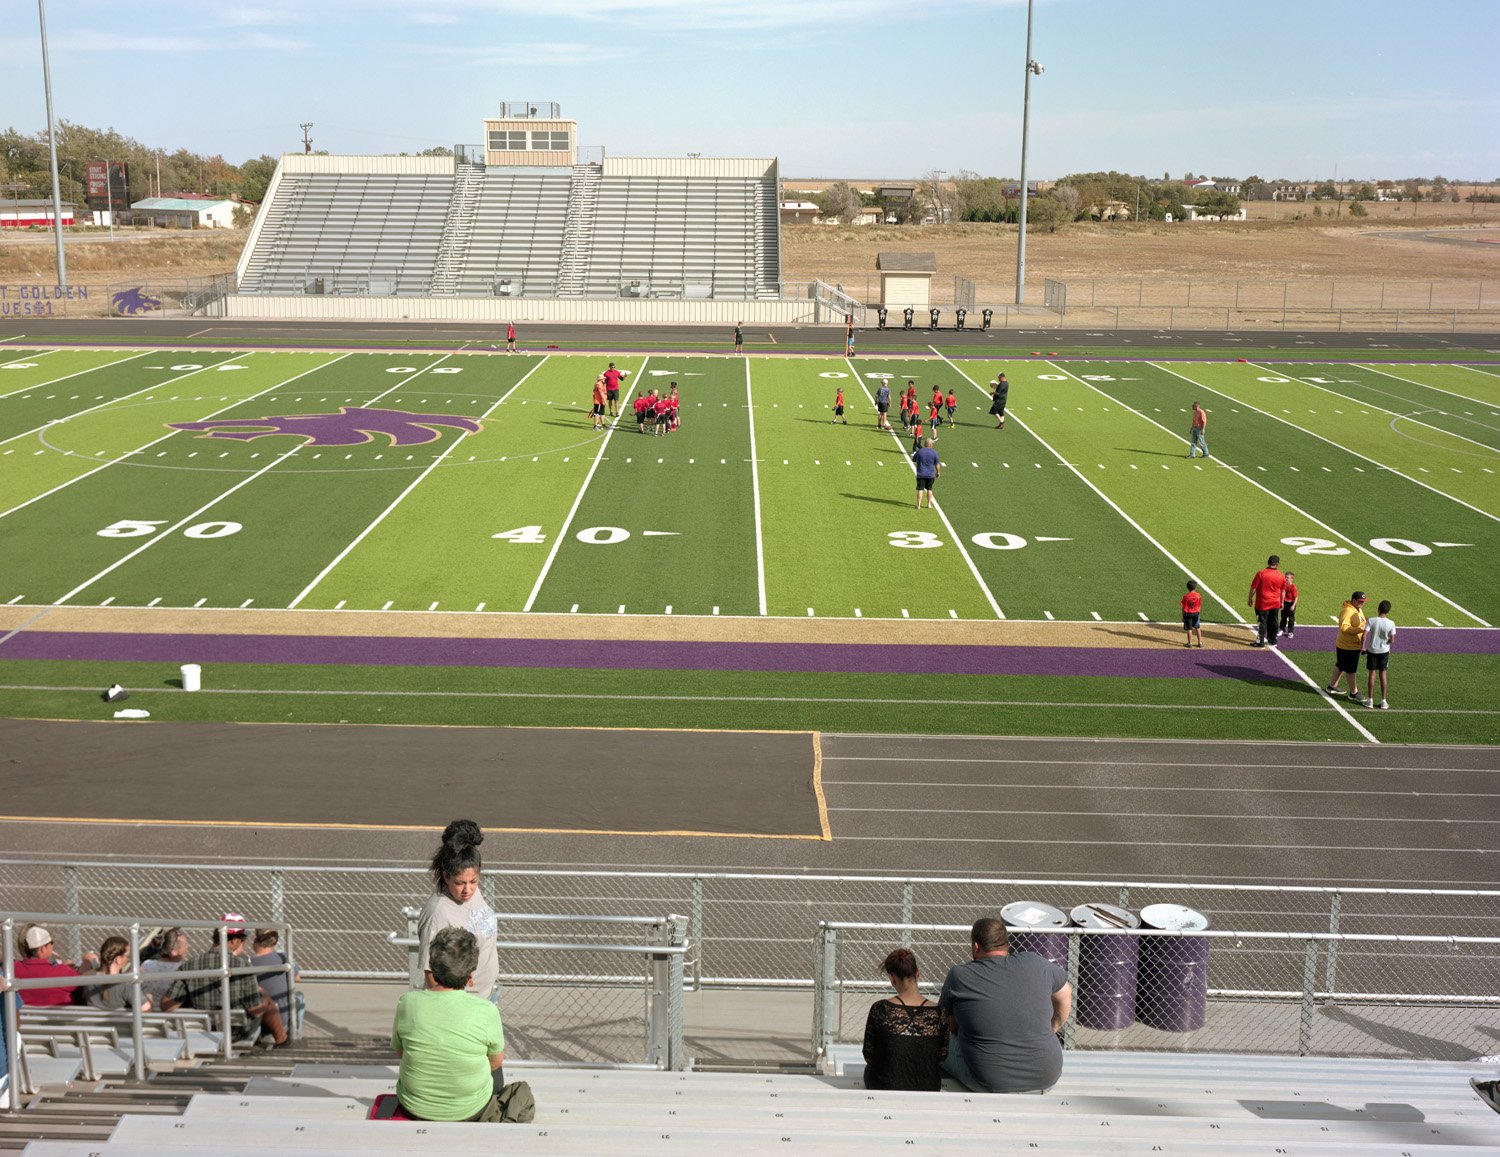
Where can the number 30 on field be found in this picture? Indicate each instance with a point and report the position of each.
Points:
(925, 539)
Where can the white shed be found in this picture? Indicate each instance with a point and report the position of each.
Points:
(906, 278)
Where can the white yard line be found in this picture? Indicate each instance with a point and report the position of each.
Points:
(1440, 390)
(1329, 441)
(75, 374)
(760, 547)
(26, 357)
(132, 453)
(952, 532)
(152, 541)
(1141, 530)
(104, 405)
(1223, 465)
(582, 490)
(1353, 401)
(360, 537)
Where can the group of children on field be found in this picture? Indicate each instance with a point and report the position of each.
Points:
(1276, 616)
(658, 413)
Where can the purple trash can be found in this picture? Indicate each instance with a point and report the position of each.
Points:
(1039, 920)
(1171, 990)
(1106, 968)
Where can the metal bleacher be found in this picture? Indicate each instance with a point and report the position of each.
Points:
(351, 233)
(1105, 1103)
(516, 244)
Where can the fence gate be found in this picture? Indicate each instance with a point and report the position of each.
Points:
(1055, 296)
(963, 293)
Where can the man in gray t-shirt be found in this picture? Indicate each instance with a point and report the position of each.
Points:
(1005, 1010)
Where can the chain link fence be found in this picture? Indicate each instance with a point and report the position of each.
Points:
(1434, 997)
(754, 930)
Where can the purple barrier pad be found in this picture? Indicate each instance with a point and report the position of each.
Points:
(1413, 639)
(1168, 661)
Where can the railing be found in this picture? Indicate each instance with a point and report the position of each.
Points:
(74, 924)
(1212, 991)
(577, 981)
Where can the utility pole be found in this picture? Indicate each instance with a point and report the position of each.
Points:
(62, 264)
(306, 140)
(1032, 69)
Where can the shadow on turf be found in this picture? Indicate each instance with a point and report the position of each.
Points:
(1153, 453)
(881, 501)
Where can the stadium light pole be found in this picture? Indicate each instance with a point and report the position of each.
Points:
(1032, 69)
(62, 262)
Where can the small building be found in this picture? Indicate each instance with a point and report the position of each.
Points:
(21, 214)
(184, 213)
(798, 212)
(1195, 213)
(906, 278)
(531, 135)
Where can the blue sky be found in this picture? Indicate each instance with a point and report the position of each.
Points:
(835, 88)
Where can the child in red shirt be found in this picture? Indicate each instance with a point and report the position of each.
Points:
(1289, 606)
(1192, 607)
(838, 408)
(951, 405)
(916, 431)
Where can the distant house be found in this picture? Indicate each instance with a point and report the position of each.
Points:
(184, 212)
(797, 212)
(1288, 191)
(1194, 213)
(868, 215)
(20, 214)
(1112, 211)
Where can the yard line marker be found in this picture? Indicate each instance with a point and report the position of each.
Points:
(15, 600)
(200, 602)
(111, 462)
(480, 607)
(107, 601)
(905, 614)
(307, 590)
(1049, 615)
(858, 614)
(952, 614)
(246, 603)
(1424, 385)
(760, 550)
(716, 610)
(809, 612)
(1112, 505)
(669, 608)
(434, 605)
(1433, 621)
(1293, 506)
(388, 605)
(91, 369)
(154, 601)
(953, 534)
(621, 611)
(1098, 618)
(338, 606)
(1142, 614)
(578, 500)
(574, 611)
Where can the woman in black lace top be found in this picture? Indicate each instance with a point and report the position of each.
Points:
(906, 1036)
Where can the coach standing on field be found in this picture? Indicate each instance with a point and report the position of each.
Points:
(929, 466)
(1266, 589)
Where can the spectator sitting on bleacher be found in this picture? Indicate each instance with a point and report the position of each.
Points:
(39, 961)
(456, 902)
(906, 1035)
(1005, 1009)
(274, 984)
(450, 1042)
(244, 993)
(114, 958)
(163, 956)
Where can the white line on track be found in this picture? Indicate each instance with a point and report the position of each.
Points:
(170, 433)
(1082, 841)
(958, 541)
(1173, 789)
(1382, 409)
(1365, 550)
(1110, 502)
(1248, 816)
(360, 537)
(1360, 767)
(760, 550)
(582, 490)
(65, 377)
(1345, 449)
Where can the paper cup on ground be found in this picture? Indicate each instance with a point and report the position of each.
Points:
(192, 677)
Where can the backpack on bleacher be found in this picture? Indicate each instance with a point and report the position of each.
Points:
(516, 1103)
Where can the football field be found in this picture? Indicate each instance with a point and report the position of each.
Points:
(438, 484)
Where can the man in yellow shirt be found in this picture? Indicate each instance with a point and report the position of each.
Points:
(1347, 646)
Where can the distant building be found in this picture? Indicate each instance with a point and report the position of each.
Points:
(798, 212)
(184, 213)
(906, 278)
(20, 214)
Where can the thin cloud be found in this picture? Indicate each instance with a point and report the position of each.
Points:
(729, 14)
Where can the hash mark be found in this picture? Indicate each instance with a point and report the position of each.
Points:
(246, 603)
(388, 605)
(200, 602)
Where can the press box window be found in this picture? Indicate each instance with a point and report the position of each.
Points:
(550, 142)
(507, 142)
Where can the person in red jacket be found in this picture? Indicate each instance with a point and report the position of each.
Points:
(1192, 608)
(1266, 591)
(40, 961)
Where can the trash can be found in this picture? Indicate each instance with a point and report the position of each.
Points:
(1038, 920)
(1171, 990)
(1106, 968)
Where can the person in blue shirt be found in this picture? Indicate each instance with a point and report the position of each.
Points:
(929, 466)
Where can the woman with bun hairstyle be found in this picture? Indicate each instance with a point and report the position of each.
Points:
(906, 1035)
(456, 902)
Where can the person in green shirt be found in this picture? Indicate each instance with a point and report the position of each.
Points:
(450, 1042)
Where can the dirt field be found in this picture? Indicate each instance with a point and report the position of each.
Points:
(1103, 264)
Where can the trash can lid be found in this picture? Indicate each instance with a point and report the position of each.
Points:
(1030, 914)
(1104, 916)
(1173, 918)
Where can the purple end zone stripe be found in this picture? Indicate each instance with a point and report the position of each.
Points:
(1168, 661)
(1412, 639)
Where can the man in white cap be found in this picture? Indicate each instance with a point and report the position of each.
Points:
(40, 961)
(244, 992)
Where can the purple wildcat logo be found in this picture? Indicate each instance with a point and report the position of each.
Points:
(351, 426)
(137, 300)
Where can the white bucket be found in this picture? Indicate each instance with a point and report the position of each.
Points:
(192, 677)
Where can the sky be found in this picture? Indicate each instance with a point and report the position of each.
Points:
(835, 88)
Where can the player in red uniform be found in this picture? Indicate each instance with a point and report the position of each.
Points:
(951, 404)
(1192, 607)
(838, 408)
(640, 413)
